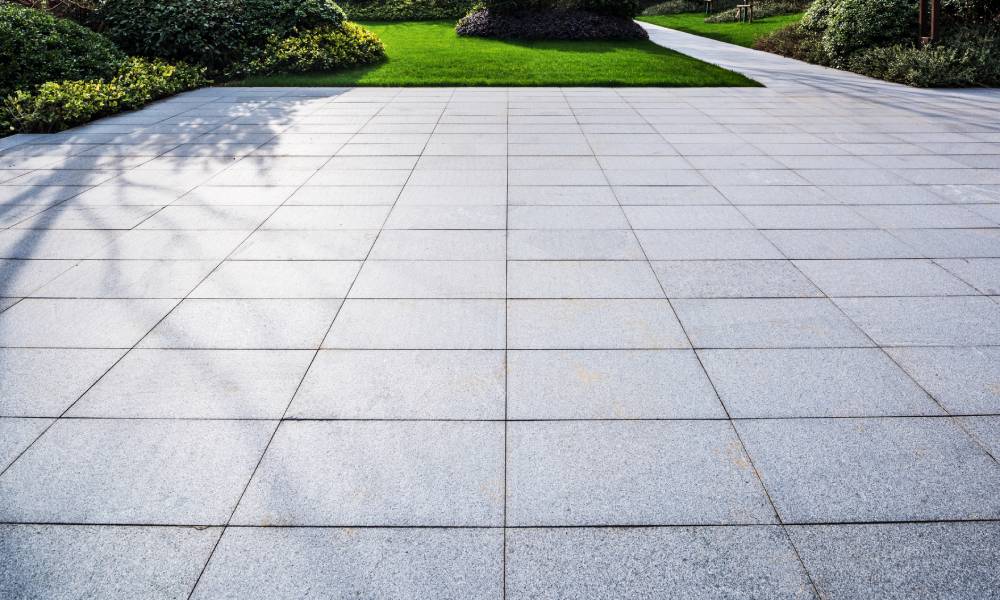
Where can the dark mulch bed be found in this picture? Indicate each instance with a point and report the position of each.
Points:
(550, 25)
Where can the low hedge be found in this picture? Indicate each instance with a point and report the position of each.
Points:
(406, 10)
(58, 105)
(321, 49)
(36, 47)
(223, 35)
(551, 25)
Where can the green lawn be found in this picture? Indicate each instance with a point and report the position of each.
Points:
(741, 34)
(430, 53)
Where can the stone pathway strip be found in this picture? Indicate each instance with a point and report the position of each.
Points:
(524, 343)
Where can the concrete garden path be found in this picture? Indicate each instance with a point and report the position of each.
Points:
(439, 343)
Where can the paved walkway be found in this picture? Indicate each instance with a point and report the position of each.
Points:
(596, 343)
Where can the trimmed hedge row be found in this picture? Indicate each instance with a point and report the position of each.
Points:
(58, 105)
(406, 10)
(320, 49)
(553, 25)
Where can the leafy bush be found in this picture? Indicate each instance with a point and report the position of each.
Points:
(512, 7)
(321, 49)
(761, 9)
(36, 47)
(673, 7)
(71, 9)
(223, 35)
(550, 25)
(614, 8)
(57, 105)
(795, 41)
(965, 59)
(856, 24)
(817, 16)
(405, 10)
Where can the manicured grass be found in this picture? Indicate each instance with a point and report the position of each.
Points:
(741, 34)
(430, 53)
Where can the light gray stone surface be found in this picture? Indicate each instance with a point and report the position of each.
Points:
(379, 473)
(658, 562)
(630, 473)
(86, 561)
(133, 471)
(301, 562)
(851, 470)
(508, 352)
(18, 434)
(906, 560)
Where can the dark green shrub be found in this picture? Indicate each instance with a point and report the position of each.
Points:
(857, 24)
(966, 58)
(614, 8)
(57, 105)
(673, 7)
(510, 7)
(405, 10)
(322, 49)
(817, 16)
(795, 41)
(223, 35)
(36, 47)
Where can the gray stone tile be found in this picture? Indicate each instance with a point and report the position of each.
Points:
(921, 216)
(630, 473)
(608, 384)
(685, 217)
(66, 323)
(805, 217)
(133, 471)
(593, 324)
(418, 324)
(776, 194)
(573, 245)
(431, 279)
(60, 244)
(952, 243)
(244, 324)
(15, 436)
(128, 279)
(582, 279)
(64, 562)
(44, 382)
(273, 562)
(840, 244)
(306, 245)
(197, 384)
(882, 278)
(402, 384)
(327, 217)
(891, 469)
(767, 323)
(670, 562)
(237, 218)
(379, 473)
(667, 195)
(986, 430)
(566, 217)
(981, 273)
(904, 560)
(22, 277)
(707, 245)
(963, 380)
(279, 279)
(836, 382)
(957, 321)
(447, 217)
(439, 245)
(561, 195)
(732, 279)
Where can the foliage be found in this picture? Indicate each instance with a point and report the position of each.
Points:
(405, 10)
(72, 9)
(966, 59)
(817, 16)
(36, 47)
(673, 7)
(761, 10)
(551, 25)
(856, 24)
(795, 41)
(321, 49)
(614, 8)
(431, 53)
(223, 35)
(57, 105)
(741, 34)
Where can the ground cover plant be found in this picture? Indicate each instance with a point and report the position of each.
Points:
(430, 53)
(553, 20)
(879, 39)
(406, 10)
(741, 34)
